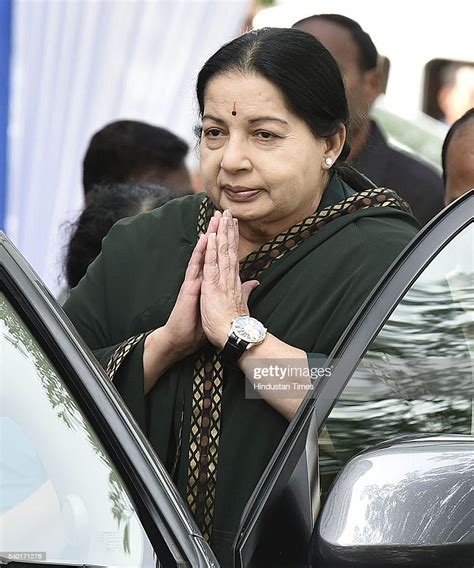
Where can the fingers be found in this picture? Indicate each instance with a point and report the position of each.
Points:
(232, 248)
(222, 254)
(214, 223)
(196, 261)
(223, 243)
(210, 269)
(236, 234)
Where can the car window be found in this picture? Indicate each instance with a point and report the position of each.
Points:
(61, 499)
(417, 375)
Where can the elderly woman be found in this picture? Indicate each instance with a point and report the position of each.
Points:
(284, 233)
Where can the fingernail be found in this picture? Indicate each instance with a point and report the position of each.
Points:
(227, 214)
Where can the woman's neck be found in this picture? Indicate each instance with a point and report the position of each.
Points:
(253, 236)
(246, 245)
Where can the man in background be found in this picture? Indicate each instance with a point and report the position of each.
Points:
(458, 157)
(456, 95)
(357, 58)
(128, 151)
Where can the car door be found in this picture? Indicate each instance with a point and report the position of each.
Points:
(415, 372)
(404, 366)
(79, 483)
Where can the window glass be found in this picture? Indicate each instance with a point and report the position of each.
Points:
(417, 376)
(60, 495)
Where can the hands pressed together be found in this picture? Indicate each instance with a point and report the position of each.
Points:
(210, 297)
(212, 294)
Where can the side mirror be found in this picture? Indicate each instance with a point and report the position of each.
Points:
(405, 503)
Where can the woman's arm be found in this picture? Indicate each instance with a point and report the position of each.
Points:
(182, 334)
(224, 298)
(89, 307)
(282, 369)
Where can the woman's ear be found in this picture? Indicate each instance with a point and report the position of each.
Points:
(335, 144)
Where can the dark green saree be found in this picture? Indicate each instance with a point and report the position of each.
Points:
(313, 278)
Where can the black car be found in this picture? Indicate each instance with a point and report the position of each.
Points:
(375, 469)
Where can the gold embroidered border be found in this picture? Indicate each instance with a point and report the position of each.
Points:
(119, 355)
(204, 439)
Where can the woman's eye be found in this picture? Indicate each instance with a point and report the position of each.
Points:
(213, 132)
(265, 135)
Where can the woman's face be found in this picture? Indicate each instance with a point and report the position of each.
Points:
(258, 159)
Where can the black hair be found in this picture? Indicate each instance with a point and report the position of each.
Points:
(107, 205)
(455, 127)
(368, 56)
(123, 150)
(304, 72)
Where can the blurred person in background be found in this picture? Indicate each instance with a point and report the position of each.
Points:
(357, 57)
(456, 95)
(106, 205)
(131, 151)
(458, 157)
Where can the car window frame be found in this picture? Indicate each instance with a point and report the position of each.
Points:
(344, 358)
(165, 518)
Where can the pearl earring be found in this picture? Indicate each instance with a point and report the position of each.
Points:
(328, 161)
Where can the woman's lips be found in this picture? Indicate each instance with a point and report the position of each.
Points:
(241, 193)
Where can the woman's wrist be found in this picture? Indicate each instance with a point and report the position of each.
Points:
(158, 356)
(221, 338)
(163, 336)
(221, 335)
(170, 349)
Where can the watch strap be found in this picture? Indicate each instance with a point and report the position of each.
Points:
(233, 349)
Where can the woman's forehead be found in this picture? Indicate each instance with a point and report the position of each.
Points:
(243, 93)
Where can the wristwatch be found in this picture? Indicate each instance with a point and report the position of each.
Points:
(245, 333)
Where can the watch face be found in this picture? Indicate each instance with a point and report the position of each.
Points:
(249, 329)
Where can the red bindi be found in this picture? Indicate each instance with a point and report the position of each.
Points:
(234, 112)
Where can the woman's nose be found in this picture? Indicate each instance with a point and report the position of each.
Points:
(236, 156)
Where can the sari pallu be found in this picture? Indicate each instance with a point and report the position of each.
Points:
(308, 293)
